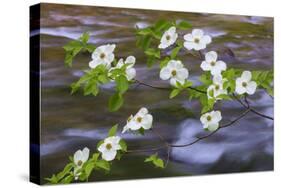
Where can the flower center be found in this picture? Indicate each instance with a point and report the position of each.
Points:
(108, 146)
(209, 118)
(196, 40)
(213, 63)
(217, 87)
(79, 163)
(244, 84)
(174, 73)
(168, 37)
(139, 119)
(102, 55)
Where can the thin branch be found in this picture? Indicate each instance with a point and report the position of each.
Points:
(166, 88)
(246, 106)
(168, 145)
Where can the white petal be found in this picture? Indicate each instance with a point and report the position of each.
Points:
(120, 63)
(211, 56)
(221, 65)
(188, 37)
(110, 48)
(206, 39)
(205, 66)
(240, 89)
(131, 73)
(216, 116)
(246, 75)
(210, 88)
(217, 79)
(78, 156)
(125, 129)
(112, 140)
(182, 74)
(143, 111)
(133, 125)
(165, 73)
(173, 81)
(86, 153)
(163, 45)
(109, 155)
(188, 45)
(171, 30)
(147, 121)
(213, 127)
(199, 46)
(131, 60)
(198, 33)
(251, 87)
(93, 64)
(175, 64)
(203, 118)
(102, 147)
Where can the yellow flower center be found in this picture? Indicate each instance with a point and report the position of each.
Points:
(139, 119)
(168, 37)
(102, 55)
(209, 118)
(174, 73)
(196, 40)
(108, 146)
(213, 63)
(79, 163)
(244, 84)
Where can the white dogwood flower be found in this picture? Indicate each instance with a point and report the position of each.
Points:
(212, 64)
(103, 55)
(169, 38)
(109, 148)
(210, 120)
(174, 71)
(244, 84)
(196, 40)
(142, 119)
(80, 157)
(130, 70)
(217, 87)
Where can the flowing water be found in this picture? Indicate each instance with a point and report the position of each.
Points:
(71, 122)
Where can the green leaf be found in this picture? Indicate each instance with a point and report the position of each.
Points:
(162, 25)
(65, 171)
(175, 52)
(68, 179)
(122, 84)
(89, 168)
(174, 93)
(102, 164)
(91, 87)
(123, 145)
(113, 130)
(96, 156)
(144, 31)
(155, 160)
(115, 102)
(90, 48)
(84, 37)
(153, 52)
(184, 25)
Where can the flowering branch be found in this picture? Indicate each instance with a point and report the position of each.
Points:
(218, 83)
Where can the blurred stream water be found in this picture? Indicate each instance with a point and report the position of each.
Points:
(71, 122)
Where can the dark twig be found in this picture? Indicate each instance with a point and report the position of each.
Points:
(168, 145)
